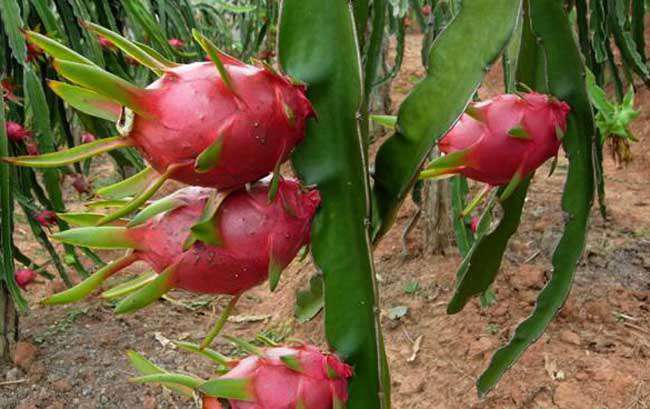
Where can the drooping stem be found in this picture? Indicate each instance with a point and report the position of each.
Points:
(218, 326)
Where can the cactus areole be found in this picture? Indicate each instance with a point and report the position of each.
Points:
(288, 378)
(502, 139)
(246, 238)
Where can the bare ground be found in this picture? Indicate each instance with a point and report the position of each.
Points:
(595, 355)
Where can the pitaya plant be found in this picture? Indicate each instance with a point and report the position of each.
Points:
(298, 376)
(217, 124)
(202, 241)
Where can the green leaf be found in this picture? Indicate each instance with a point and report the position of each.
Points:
(130, 186)
(456, 68)
(238, 389)
(87, 286)
(87, 101)
(104, 83)
(149, 293)
(565, 72)
(318, 45)
(81, 219)
(66, 157)
(130, 48)
(309, 302)
(178, 380)
(159, 206)
(129, 286)
(215, 55)
(56, 49)
(211, 354)
(106, 237)
(146, 367)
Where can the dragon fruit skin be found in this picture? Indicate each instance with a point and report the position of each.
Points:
(16, 132)
(318, 380)
(192, 108)
(176, 42)
(24, 277)
(252, 231)
(506, 135)
(46, 218)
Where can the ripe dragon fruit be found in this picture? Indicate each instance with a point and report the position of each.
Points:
(176, 43)
(502, 140)
(46, 218)
(24, 277)
(278, 377)
(87, 138)
(203, 242)
(8, 91)
(80, 184)
(16, 132)
(218, 124)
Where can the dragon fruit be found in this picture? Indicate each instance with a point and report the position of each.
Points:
(218, 124)
(24, 277)
(45, 218)
(16, 132)
(502, 140)
(176, 43)
(87, 138)
(8, 91)
(204, 242)
(80, 184)
(279, 377)
(291, 378)
(105, 43)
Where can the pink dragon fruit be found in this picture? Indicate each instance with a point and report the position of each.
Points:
(176, 43)
(80, 184)
(8, 91)
(34, 53)
(474, 224)
(299, 376)
(217, 124)
(46, 218)
(105, 43)
(289, 378)
(87, 138)
(24, 277)
(16, 132)
(243, 241)
(503, 139)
